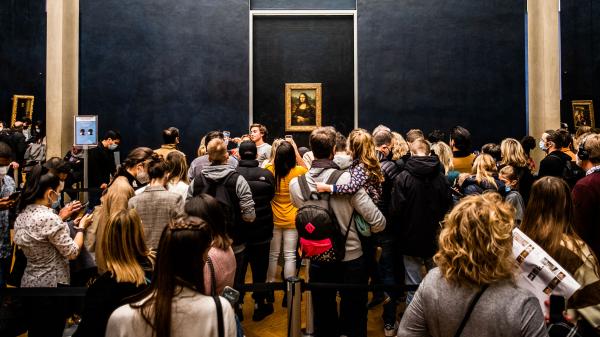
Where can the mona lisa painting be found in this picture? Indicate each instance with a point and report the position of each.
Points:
(302, 106)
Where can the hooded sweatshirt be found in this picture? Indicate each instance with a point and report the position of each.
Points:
(218, 173)
(420, 199)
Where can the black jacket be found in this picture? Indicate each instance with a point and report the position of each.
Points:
(390, 171)
(102, 165)
(554, 164)
(262, 185)
(420, 199)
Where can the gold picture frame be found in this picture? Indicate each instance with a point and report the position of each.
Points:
(22, 108)
(583, 113)
(302, 114)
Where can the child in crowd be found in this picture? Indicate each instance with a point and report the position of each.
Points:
(510, 177)
(365, 170)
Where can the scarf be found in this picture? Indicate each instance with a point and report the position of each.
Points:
(324, 164)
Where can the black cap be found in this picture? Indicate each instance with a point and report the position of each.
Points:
(247, 150)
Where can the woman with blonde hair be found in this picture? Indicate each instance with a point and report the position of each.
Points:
(513, 154)
(444, 153)
(476, 269)
(115, 199)
(484, 177)
(129, 263)
(274, 147)
(178, 179)
(549, 221)
(399, 146)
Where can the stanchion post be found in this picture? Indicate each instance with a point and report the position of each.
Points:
(294, 290)
(310, 324)
(85, 173)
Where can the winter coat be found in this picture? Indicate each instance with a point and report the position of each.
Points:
(420, 199)
(262, 185)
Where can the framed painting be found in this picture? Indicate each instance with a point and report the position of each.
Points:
(583, 113)
(22, 108)
(302, 106)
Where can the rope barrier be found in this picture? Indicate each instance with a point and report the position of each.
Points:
(248, 287)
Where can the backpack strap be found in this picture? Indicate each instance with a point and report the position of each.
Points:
(334, 177)
(304, 188)
(213, 279)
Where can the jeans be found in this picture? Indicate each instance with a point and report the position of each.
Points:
(413, 276)
(352, 318)
(390, 272)
(289, 239)
(257, 256)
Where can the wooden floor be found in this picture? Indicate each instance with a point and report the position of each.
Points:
(275, 325)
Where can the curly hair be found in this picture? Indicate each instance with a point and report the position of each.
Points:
(399, 146)
(475, 244)
(362, 147)
(513, 153)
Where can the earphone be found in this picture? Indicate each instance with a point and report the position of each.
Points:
(582, 153)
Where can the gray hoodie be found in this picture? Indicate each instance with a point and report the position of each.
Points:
(343, 206)
(218, 172)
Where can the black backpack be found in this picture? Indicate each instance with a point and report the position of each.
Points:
(571, 172)
(225, 192)
(321, 239)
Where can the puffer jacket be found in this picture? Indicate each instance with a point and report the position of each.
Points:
(262, 185)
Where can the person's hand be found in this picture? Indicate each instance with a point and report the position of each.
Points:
(85, 221)
(237, 140)
(14, 165)
(291, 141)
(6, 203)
(566, 316)
(299, 119)
(323, 188)
(70, 209)
(104, 186)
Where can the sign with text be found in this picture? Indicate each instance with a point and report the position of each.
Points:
(86, 130)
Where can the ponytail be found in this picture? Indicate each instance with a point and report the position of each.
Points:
(136, 156)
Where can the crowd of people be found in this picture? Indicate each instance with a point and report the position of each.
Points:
(164, 247)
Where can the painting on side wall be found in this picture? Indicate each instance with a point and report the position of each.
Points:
(302, 106)
(22, 108)
(583, 113)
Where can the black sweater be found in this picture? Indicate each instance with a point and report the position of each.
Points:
(262, 185)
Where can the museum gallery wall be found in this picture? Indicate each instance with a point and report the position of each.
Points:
(22, 55)
(148, 64)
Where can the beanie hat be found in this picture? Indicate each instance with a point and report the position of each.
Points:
(247, 150)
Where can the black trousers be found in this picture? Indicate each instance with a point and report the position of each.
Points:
(257, 256)
(352, 318)
(46, 316)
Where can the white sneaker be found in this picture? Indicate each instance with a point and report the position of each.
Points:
(390, 330)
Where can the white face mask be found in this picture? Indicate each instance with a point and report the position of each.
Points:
(3, 171)
(142, 177)
(112, 147)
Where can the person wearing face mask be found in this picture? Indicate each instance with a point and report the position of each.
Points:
(557, 163)
(45, 241)
(156, 206)
(510, 176)
(102, 164)
(7, 187)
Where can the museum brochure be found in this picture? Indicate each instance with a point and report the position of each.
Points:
(540, 273)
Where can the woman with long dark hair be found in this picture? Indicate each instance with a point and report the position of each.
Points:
(284, 168)
(549, 221)
(174, 304)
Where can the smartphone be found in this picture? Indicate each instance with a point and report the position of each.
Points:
(231, 294)
(226, 134)
(557, 307)
(289, 137)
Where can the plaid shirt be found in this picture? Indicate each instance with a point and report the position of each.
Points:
(6, 189)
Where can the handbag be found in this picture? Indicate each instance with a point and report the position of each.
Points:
(470, 310)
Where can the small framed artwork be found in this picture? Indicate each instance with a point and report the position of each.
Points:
(583, 113)
(22, 108)
(302, 106)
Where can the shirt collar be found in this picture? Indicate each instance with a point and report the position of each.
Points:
(592, 170)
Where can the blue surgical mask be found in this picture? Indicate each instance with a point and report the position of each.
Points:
(543, 145)
(507, 188)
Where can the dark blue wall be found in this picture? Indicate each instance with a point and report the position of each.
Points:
(429, 64)
(22, 54)
(149, 64)
(580, 45)
(437, 63)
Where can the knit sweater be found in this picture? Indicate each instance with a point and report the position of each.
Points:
(586, 198)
